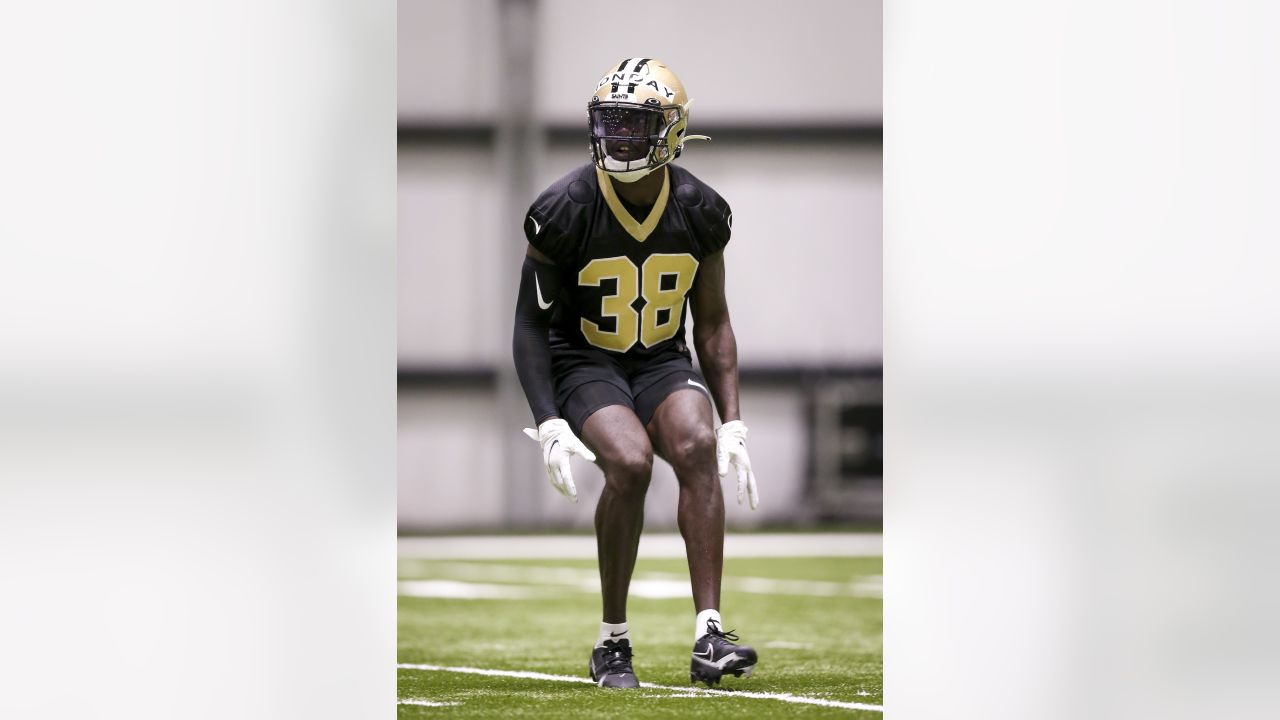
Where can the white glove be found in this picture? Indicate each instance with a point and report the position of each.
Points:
(558, 443)
(731, 447)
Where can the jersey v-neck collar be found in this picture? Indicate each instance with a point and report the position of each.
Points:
(638, 230)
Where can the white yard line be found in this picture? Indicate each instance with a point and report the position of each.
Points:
(788, 645)
(656, 545)
(530, 675)
(460, 590)
(427, 703)
(648, 584)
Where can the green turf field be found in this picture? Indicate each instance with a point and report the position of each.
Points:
(815, 621)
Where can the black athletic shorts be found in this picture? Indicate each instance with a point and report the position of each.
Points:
(587, 379)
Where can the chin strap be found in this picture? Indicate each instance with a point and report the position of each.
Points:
(687, 138)
(630, 176)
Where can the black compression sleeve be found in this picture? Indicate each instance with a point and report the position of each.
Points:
(539, 283)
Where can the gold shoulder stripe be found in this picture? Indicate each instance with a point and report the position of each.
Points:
(639, 231)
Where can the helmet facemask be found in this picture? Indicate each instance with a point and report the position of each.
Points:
(631, 140)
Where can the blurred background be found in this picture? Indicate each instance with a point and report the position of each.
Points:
(491, 109)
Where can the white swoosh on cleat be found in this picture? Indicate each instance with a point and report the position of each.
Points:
(719, 664)
(544, 304)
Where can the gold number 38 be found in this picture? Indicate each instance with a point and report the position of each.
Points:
(636, 282)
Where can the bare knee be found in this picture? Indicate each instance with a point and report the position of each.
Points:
(627, 470)
(694, 450)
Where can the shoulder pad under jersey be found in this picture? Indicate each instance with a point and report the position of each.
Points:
(557, 221)
(710, 217)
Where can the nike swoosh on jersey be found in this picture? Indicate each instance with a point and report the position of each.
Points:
(544, 304)
(536, 227)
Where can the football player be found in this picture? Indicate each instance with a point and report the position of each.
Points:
(616, 249)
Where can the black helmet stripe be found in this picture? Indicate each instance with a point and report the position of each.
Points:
(639, 64)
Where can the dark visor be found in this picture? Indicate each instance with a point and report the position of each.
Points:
(616, 122)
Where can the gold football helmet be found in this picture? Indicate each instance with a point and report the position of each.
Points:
(638, 117)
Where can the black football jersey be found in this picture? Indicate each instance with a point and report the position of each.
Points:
(626, 271)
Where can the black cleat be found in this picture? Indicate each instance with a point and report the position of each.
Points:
(611, 665)
(716, 654)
